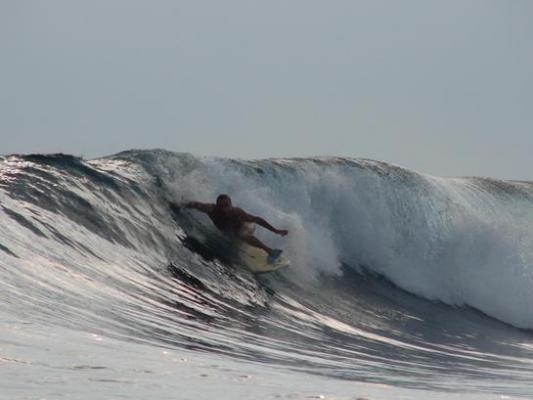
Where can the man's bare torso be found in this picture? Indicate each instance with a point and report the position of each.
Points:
(231, 221)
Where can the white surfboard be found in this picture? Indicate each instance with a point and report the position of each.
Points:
(256, 260)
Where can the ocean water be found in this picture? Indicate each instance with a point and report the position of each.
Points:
(402, 285)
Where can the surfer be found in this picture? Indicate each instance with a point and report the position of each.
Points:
(237, 223)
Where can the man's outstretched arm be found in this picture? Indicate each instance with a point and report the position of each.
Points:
(203, 207)
(262, 222)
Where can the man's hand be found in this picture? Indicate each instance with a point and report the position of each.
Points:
(175, 207)
(282, 232)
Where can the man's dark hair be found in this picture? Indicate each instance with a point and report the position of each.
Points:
(223, 197)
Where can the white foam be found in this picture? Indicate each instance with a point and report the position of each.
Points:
(460, 241)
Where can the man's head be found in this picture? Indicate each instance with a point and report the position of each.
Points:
(223, 202)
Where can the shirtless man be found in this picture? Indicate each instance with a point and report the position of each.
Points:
(236, 222)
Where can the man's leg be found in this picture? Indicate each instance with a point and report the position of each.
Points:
(253, 241)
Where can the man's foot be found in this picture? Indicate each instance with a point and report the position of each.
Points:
(273, 256)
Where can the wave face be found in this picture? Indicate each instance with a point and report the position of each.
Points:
(396, 277)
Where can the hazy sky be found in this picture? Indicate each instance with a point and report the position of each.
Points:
(444, 87)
